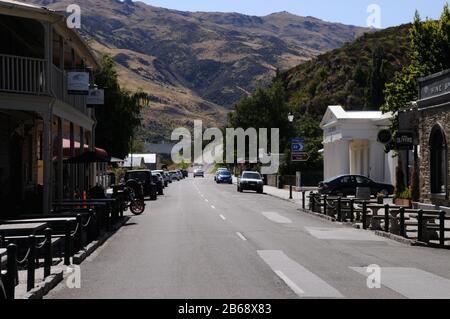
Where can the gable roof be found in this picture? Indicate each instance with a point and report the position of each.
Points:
(336, 113)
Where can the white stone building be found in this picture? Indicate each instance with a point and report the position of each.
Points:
(351, 146)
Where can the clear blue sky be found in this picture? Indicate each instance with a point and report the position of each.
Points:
(393, 12)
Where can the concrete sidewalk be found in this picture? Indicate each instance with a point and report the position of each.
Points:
(284, 194)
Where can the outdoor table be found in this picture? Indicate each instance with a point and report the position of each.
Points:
(21, 229)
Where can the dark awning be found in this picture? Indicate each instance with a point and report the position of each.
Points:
(88, 157)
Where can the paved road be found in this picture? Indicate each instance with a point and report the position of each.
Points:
(203, 240)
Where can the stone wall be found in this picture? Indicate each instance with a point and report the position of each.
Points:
(428, 119)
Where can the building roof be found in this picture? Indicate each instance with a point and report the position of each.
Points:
(133, 162)
(148, 158)
(58, 20)
(336, 113)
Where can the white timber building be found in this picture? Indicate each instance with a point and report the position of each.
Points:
(351, 146)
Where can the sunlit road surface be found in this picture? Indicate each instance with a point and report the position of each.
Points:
(203, 240)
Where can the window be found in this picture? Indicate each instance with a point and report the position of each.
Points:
(438, 161)
(346, 180)
(362, 180)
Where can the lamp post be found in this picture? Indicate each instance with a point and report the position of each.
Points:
(291, 120)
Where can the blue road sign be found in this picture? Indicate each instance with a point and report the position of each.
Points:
(297, 140)
(297, 147)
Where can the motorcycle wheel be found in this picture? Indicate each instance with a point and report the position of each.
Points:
(137, 207)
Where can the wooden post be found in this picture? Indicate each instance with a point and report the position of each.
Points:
(67, 243)
(303, 199)
(325, 204)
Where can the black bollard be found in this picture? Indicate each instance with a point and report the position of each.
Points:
(11, 271)
(312, 202)
(402, 222)
(31, 262)
(386, 218)
(325, 204)
(352, 210)
(78, 239)
(67, 243)
(48, 252)
(303, 199)
(339, 209)
(290, 192)
(420, 226)
(442, 228)
(364, 215)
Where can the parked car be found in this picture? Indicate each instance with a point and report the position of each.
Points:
(198, 172)
(224, 176)
(345, 185)
(165, 178)
(250, 181)
(159, 181)
(218, 171)
(180, 173)
(145, 177)
(174, 176)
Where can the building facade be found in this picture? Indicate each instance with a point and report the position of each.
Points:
(433, 110)
(41, 124)
(351, 146)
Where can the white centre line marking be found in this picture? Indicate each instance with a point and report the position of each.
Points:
(206, 200)
(241, 236)
(213, 207)
(223, 217)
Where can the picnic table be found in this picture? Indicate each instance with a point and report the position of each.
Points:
(21, 229)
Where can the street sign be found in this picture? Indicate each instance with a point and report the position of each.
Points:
(300, 157)
(297, 140)
(404, 140)
(297, 147)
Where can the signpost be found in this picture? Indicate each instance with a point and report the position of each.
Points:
(78, 83)
(404, 140)
(298, 153)
(95, 97)
(300, 157)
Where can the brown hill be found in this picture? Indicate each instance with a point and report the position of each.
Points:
(197, 64)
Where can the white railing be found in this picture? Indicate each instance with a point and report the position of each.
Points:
(23, 75)
(29, 76)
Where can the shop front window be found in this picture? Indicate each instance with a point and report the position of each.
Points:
(438, 161)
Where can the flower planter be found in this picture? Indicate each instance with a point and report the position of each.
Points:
(402, 202)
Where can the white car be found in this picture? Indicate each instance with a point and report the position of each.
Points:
(250, 181)
(199, 172)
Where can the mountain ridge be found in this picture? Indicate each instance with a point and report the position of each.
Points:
(197, 65)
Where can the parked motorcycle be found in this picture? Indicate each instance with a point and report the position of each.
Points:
(132, 196)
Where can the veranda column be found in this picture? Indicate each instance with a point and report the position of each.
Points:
(72, 166)
(47, 161)
(344, 154)
(60, 178)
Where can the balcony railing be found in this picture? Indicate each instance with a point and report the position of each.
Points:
(29, 76)
(23, 75)
(59, 90)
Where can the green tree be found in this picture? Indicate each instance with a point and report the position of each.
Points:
(118, 119)
(377, 80)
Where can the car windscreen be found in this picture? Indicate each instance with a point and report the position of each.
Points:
(251, 176)
(139, 176)
(224, 173)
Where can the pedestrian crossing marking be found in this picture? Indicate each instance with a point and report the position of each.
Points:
(303, 282)
(277, 218)
(343, 234)
(412, 283)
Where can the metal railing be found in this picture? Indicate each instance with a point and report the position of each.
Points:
(23, 75)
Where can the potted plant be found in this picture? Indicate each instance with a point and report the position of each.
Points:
(380, 198)
(403, 198)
